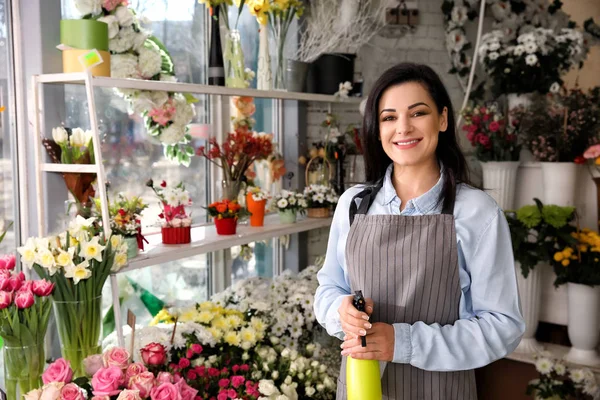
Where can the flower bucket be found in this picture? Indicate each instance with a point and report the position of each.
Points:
(583, 323)
(287, 216)
(500, 177)
(132, 247)
(559, 181)
(171, 235)
(323, 212)
(257, 209)
(226, 226)
(23, 368)
(530, 291)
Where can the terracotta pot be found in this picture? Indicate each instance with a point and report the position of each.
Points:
(318, 212)
(172, 235)
(226, 226)
(257, 209)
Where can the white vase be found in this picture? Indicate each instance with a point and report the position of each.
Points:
(263, 79)
(559, 180)
(499, 179)
(584, 324)
(530, 292)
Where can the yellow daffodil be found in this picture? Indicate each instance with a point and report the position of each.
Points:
(92, 250)
(115, 241)
(78, 272)
(120, 261)
(45, 258)
(65, 258)
(259, 8)
(28, 252)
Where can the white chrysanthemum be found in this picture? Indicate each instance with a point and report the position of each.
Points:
(173, 134)
(459, 15)
(530, 47)
(86, 7)
(124, 15)
(493, 56)
(455, 40)
(555, 87)
(113, 25)
(577, 375)
(544, 365)
(150, 62)
(282, 203)
(560, 369)
(531, 59)
(124, 66)
(519, 50)
(184, 112)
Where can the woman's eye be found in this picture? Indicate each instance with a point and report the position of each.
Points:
(418, 114)
(388, 118)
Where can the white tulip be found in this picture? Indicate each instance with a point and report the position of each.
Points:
(87, 7)
(78, 137)
(60, 135)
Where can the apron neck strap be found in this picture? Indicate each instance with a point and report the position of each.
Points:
(367, 197)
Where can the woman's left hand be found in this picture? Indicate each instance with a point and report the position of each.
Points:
(380, 344)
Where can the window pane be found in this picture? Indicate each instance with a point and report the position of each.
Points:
(254, 259)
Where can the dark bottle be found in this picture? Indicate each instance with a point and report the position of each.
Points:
(216, 68)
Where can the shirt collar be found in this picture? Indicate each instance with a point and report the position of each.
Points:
(425, 203)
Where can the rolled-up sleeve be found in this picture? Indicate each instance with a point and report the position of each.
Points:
(492, 325)
(333, 284)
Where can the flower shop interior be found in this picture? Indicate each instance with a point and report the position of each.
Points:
(169, 172)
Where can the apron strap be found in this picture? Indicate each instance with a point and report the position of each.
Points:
(367, 197)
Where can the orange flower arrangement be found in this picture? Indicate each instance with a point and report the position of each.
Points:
(225, 209)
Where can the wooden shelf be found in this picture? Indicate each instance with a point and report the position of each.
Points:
(557, 351)
(139, 84)
(206, 240)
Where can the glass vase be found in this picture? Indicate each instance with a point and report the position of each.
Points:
(23, 368)
(234, 61)
(231, 189)
(79, 325)
(279, 81)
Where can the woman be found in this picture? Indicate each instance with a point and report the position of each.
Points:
(431, 253)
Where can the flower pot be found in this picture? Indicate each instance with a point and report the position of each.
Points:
(257, 210)
(322, 212)
(295, 75)
(499, 179)
(559, 180)
(226, 226)
(530, 291)
(23, 368)
(328, 71)
(180, 235)
(79, 324)
(287, 216)
(583, 324)
(132, 247)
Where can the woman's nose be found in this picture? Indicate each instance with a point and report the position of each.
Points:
(403, 125)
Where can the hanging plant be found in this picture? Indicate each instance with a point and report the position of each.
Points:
(137, 54)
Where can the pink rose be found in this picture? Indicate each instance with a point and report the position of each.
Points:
(154, 354)
(5, 299)
(8, 262)
(71, 392)
(237, 381)
(24, 299)
(222, 395)
(166, 391)
(116, 357)
(133, 370)
(106, 381)
(110, 5)
(143, 382)
(494, 126)
(486, 118)
(59, 371)
(33, 394)
(100, 398)
(43, 288)
(592, 152)
(196, 348)
(184, 363)
(187, 392)
(51, 391)
(129, 395)
(163, 377)
(92, 364)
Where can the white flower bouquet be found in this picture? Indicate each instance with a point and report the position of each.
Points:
(534, 61)
(257, 193)
(78, 263)
(289, 201)
(320, 196)
(556, 380)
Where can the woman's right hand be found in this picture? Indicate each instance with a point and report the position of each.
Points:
(354, 322)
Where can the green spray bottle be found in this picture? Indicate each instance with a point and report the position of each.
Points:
(363, 379)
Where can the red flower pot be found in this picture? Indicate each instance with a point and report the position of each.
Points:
(226, 226)
(172, 235)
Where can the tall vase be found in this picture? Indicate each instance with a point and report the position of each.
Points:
(231, 189)
(23, 368)
(279, 34)
(216, 68)
(559, 181)
(530, 292)
(500, 177)
(264, 78)
(234, 61)
(584, 323)
(79, 324)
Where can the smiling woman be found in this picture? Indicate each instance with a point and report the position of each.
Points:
(440, 284)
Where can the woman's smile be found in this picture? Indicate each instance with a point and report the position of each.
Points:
(406, 144)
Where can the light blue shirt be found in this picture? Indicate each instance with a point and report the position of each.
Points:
(490, 323)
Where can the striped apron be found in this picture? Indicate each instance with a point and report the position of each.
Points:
(408, 265)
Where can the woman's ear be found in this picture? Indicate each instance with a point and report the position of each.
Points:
(444, 120)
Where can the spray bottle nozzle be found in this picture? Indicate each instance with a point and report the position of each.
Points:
(360, 304)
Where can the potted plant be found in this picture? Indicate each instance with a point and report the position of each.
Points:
(556, 381)
(320, 199)
(235, 156)
(534, 230)
(256, 202)
(125, 220)
(177, 223)
(550, 128)
(225, 214)
(576, 262)
(497, 150)
(288, 204)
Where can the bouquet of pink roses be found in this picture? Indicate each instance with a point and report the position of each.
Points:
(114, 376)
(24, 311)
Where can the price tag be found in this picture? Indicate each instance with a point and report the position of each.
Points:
(91, 59)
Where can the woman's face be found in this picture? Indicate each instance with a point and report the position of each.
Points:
(409, 124)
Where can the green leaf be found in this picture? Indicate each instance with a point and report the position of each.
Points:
(190, 98)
